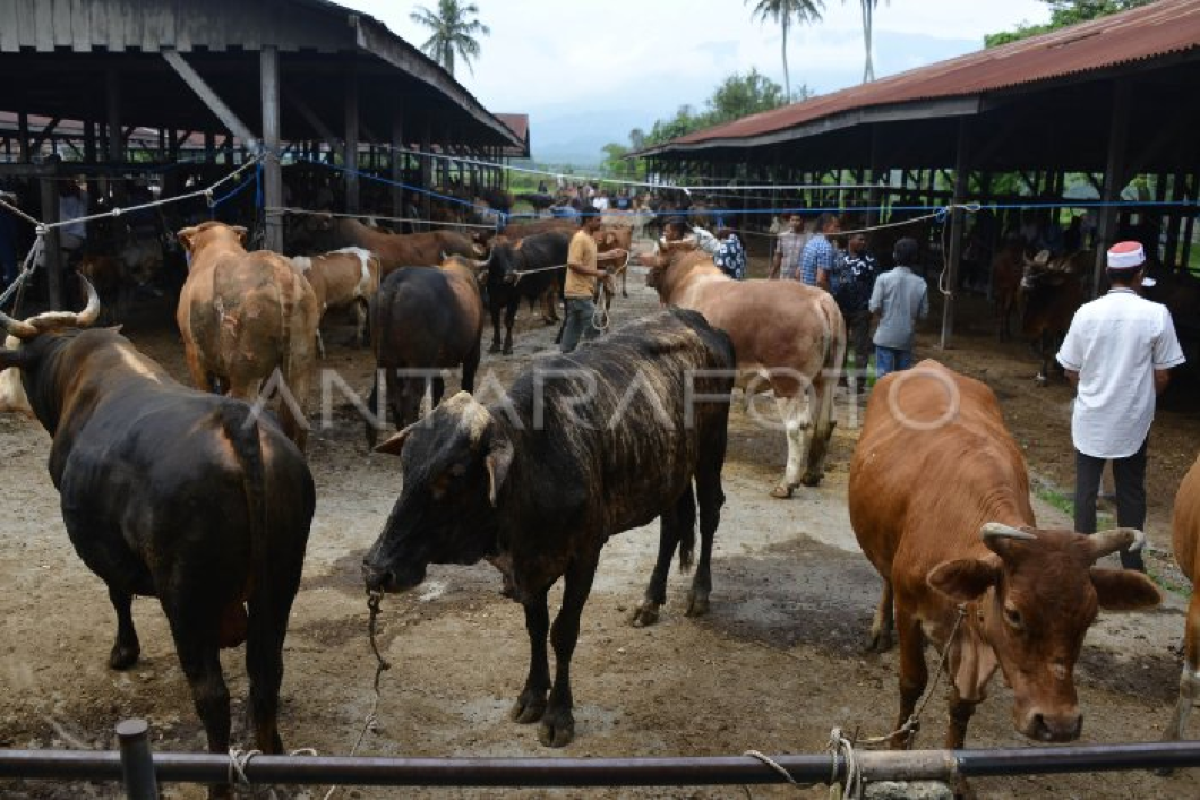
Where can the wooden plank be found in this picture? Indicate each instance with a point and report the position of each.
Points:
(134, 20)
(114, 21)
(962, 177)
(268, 61)
(81, 29)
(183, 26)
(157, 27)
(1114, 178)
(61, 11)
(43, 34)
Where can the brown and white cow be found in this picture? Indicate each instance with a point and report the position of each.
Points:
(243, 316)
(788, 337)
(1187, 555)
(12, 391)
(1007, 269)
(1051, 293)
(939, 502)
(397, 250)
(341, 278)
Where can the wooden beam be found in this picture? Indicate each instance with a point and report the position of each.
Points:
(1114, 178)
(308, 115)
(52, 251)
(268, 78)
(350, 142)
(961, 178)
(23, 137)
(112, 97)
(46, 131)
(210, 98)
(397, 160)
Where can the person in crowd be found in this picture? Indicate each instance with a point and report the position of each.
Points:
(820, 253)
(1118, 354)
(731, 255)
(789, 248)
(852, 283)
(898, 300)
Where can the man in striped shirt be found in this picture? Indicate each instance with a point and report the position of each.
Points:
(788, 250)
(820, 255)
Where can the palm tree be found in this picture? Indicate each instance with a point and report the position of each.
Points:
(868, 20)
(454, 27)
(784, 12)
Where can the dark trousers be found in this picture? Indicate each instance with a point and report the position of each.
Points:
(858, 330)
(1129, 475)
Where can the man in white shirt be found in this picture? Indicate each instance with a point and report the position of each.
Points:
(1117, 354)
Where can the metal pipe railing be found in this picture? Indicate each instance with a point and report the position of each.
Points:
(941, 765)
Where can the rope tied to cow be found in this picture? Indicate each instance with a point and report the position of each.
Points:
(32, 259)
(371, 722)
(239, 759)
(855, 784)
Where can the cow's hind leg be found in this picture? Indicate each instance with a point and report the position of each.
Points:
(882, 624)
(1189, 680)
(821, 433)
(510, 317)
(494, 308)
(794, 412)
(126, 649)
(269, 610)
(196, 635)
(656, 592)
(711, 497)
(531, 703)
(558, 723)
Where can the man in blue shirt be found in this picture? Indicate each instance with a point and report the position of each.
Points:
(899, 298)
(819, 254)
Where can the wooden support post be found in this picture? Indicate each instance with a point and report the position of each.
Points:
(112, 97)
(873, 195)
(268, 75)
(350, 142)
(210, 147)
(23, 137)
(1114, 178)
(426, 167)
(962, 176)
(53, 250)
(397, 161)
(1174, 221)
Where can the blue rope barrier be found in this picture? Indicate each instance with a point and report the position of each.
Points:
(237, 189)
(405, 186)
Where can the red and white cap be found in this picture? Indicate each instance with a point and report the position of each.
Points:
(1126, 255)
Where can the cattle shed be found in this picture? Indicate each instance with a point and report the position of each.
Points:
(1106, 103)
(122, 86)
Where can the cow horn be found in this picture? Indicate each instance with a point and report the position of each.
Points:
(17, 328)
(1105, 542)
(994, 532)
(91, 311)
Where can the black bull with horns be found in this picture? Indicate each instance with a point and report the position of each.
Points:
(172, 493)
(583, 448)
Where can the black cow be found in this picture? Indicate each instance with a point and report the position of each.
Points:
(528, 269)
(583, 448)
(423, 321)
(177, 494)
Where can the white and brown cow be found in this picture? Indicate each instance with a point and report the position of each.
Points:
(788, 337)
(341, 278)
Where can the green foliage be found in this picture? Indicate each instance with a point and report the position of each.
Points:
(453, 31)
(783, 13)
(1062, 14)
(737, 96)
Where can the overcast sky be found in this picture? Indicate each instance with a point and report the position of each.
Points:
(596, 69)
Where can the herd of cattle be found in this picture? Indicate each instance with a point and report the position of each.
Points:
(191, 496)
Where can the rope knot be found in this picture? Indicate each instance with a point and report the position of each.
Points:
(239, 759)
(117, 211)
(208, 198)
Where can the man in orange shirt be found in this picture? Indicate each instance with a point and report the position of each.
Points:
(581, 285)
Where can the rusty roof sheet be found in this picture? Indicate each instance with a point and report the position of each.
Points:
(1168, 26)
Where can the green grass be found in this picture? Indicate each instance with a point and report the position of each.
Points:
(1165, 583)
(1055, 498)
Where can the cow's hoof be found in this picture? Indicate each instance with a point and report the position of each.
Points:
(530, 707)
(1040, 380)
(558, 728)
(810, 479)
(782, 492)
(495, 348)
(123, 657)
(697, 604)
(879, 643)
(644, 615)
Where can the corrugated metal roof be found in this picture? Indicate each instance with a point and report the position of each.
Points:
(1169, 26)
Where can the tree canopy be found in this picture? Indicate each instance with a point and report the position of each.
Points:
(453, 30)
(1062, 14)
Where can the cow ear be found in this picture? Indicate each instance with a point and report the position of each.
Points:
(499, 459)
(1124, 589)
(395, 443)
(187, 236)
(965, 579)
(241, 232)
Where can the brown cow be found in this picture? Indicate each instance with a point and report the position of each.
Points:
(397, 250)
(1187, 555)
(939, 502)
(349, 276)
(245, 315)
(798, 354)
(1051, 292)
(1007, 269)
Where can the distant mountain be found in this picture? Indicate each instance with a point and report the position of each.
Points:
(576, 138)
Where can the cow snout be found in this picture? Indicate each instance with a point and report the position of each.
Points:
(1064, 726)
(378, 579)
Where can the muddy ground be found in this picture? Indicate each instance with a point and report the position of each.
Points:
(773, 668)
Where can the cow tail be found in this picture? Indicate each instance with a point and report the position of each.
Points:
(835, 358)
(240, 426)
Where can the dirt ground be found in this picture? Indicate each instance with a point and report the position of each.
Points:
(774, 667)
